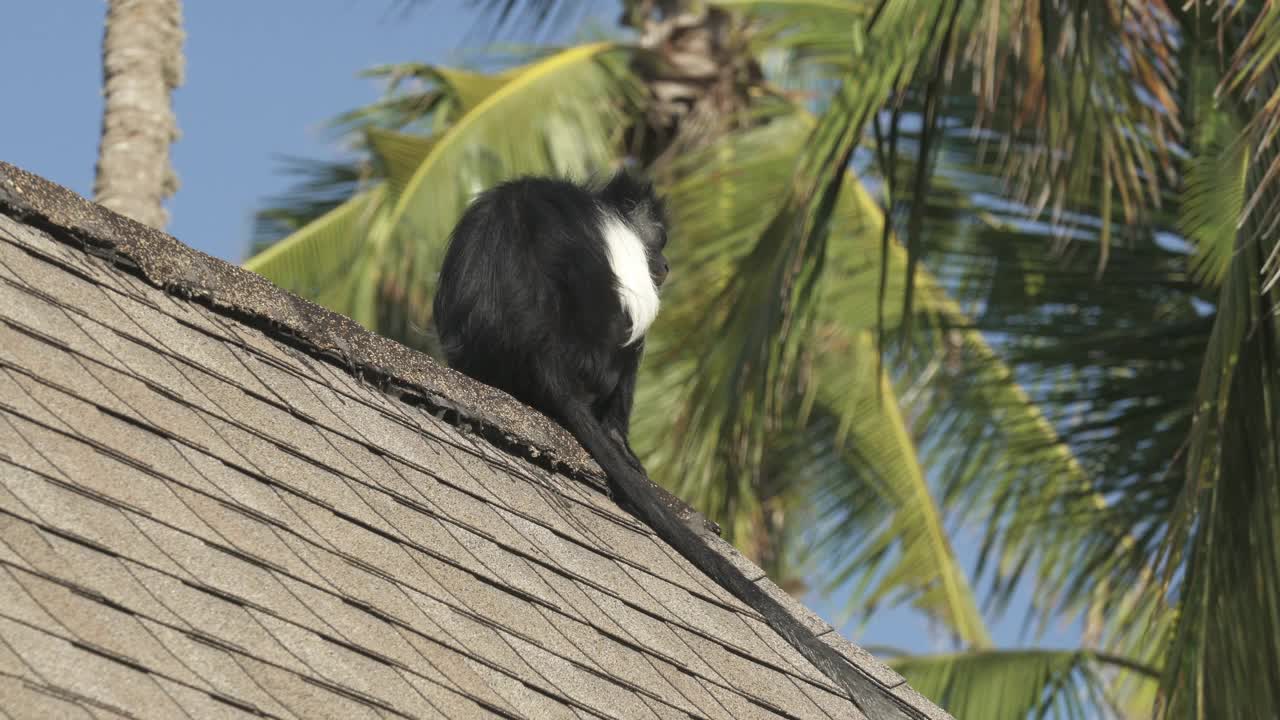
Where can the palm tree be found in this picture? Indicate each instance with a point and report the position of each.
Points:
(989, 268)
(141, 65)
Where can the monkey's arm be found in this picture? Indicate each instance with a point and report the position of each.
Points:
(617, 411)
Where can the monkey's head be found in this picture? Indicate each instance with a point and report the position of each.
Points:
(635, 201)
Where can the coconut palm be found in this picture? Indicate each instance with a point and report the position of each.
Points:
(987, 268)
(141, 65)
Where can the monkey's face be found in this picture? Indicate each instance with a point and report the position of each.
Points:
(646, 214)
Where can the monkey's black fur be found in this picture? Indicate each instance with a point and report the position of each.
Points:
(528, 302)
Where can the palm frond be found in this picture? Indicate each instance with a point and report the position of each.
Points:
(414, 95)
(882, 453)
(768, 299)
(1253, 79)
(822, 37)
(568, 136)
(721, 211)
(767, 303)
(1017, 684)
(1213, 195)
(1083, 92)
(399, 155)
(1223, 552)
(322, 186)
(317, 258)
(991, 436)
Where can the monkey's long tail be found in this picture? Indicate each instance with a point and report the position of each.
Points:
(691, 535)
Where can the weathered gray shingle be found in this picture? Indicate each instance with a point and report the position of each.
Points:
(203, 513)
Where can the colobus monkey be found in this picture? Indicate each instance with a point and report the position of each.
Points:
(546, 291)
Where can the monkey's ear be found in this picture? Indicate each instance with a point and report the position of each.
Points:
(630, 193)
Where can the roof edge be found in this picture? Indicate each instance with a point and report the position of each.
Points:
(167, 263)
(163, 261)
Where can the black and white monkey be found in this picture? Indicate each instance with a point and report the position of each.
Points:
(546, 292)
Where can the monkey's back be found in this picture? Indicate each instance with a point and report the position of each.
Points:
(526, 280)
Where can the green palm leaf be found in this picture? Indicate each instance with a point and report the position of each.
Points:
(399, 154)
(736, 177)
(723, 201)
(318, 257)
(1017, 684)
(1252, 76)
(766, 305)
(483, 146)
(1213, 196)
(883, 453)
(1224, 545)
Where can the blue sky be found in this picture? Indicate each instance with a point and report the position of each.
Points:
(262, 78)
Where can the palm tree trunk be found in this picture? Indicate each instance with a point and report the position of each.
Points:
(141, 65)
(699, 72)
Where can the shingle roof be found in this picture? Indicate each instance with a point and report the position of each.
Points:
(217, 499)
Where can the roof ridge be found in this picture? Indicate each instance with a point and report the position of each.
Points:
(165, 262)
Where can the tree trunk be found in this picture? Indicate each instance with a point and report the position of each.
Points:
(699, 72)
(141, 65)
